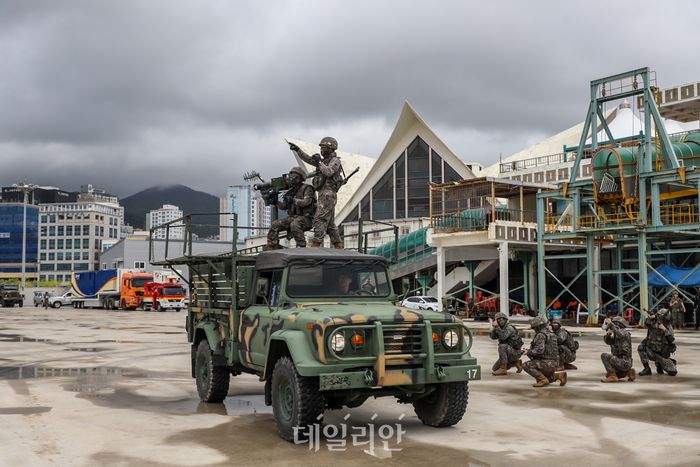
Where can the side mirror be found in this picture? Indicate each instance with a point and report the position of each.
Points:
(262, 287)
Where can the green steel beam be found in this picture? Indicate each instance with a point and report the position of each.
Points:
(541, 276)
(590, 276)
(581, 256)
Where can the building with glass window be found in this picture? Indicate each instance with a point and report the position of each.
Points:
(71, 236)
(11, 223)
(396, 188)
(237, 200)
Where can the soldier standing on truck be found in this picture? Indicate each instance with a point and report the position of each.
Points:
(300, 202)
(327, 182)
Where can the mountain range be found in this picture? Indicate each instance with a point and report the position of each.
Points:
(190, 201)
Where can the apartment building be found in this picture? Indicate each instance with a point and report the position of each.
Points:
(160, 216)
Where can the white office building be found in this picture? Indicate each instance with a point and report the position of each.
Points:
(72, 235)
(260, 215)
(162, 215)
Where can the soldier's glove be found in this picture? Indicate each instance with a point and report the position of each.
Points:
(316, 158)
(293, 147)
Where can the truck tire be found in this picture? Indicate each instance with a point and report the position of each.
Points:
(212, 380)
(445, 406)
(21, 304)
(296, 400)
(57, 304)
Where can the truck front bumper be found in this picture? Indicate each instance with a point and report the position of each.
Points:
(370, 378)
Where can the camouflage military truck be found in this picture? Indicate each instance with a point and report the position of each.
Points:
(319, 327)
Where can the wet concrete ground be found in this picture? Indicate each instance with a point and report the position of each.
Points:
(89, 387)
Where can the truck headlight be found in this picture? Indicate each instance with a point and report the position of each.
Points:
(338, 342)
(450, 339)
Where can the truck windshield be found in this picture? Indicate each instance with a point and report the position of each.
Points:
(140, 281)
(173, 291)
(338, 279)
(10, 287)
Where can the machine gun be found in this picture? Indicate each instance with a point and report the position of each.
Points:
(269, 191)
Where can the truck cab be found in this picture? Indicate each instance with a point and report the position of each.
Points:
(321, 328)
(132, 289)
(163, 296)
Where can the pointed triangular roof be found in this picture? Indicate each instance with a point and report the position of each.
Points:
(409, 125)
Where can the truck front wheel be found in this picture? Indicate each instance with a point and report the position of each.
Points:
(296, 400)
(445, 406)
(212, 380)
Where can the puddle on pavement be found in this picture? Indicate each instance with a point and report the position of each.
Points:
(641, 405)
(29, 371)
(23, 410)
(253, 440)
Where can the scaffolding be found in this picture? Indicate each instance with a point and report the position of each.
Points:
(638, 211)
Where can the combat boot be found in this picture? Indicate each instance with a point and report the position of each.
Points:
(519, 366)
(646, 371)
(631, 374)
(339, 245)
(541, 381)
(561, 377)
(610, 378)
(314, 244)
(569, 366)
(502, 371)
(659, 369)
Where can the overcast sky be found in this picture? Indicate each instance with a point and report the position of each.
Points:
(130, 94)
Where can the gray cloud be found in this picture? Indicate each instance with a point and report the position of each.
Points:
(130, 94)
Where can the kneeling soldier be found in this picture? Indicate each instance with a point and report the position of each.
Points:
(658, 345)
(544, 355)
(618, 364)
(566, 344)
(299, 202)
(509, 345)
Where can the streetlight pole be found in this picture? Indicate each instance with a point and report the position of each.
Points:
(26, 188)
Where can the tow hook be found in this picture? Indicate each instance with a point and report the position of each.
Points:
(439, 372)
(369, 377)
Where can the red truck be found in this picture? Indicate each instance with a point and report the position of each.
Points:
(163, 296)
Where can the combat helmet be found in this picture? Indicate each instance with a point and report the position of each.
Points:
(538, 322)
(330, 142)
(299, 171)
(620, 321)
(664, 316)
(556, 321)
(500, 315)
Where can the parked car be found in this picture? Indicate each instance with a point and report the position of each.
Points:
(38, 298)
(10, 296)
(422, 303)
(61, 300)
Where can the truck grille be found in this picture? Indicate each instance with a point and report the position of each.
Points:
(403, 341)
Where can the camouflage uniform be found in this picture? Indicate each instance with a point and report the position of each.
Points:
(658, 345)
(618, 364)
(566, 344)
(299, 203)
(509, 345)
(677, 310)
(327, 182)
(544, 355)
